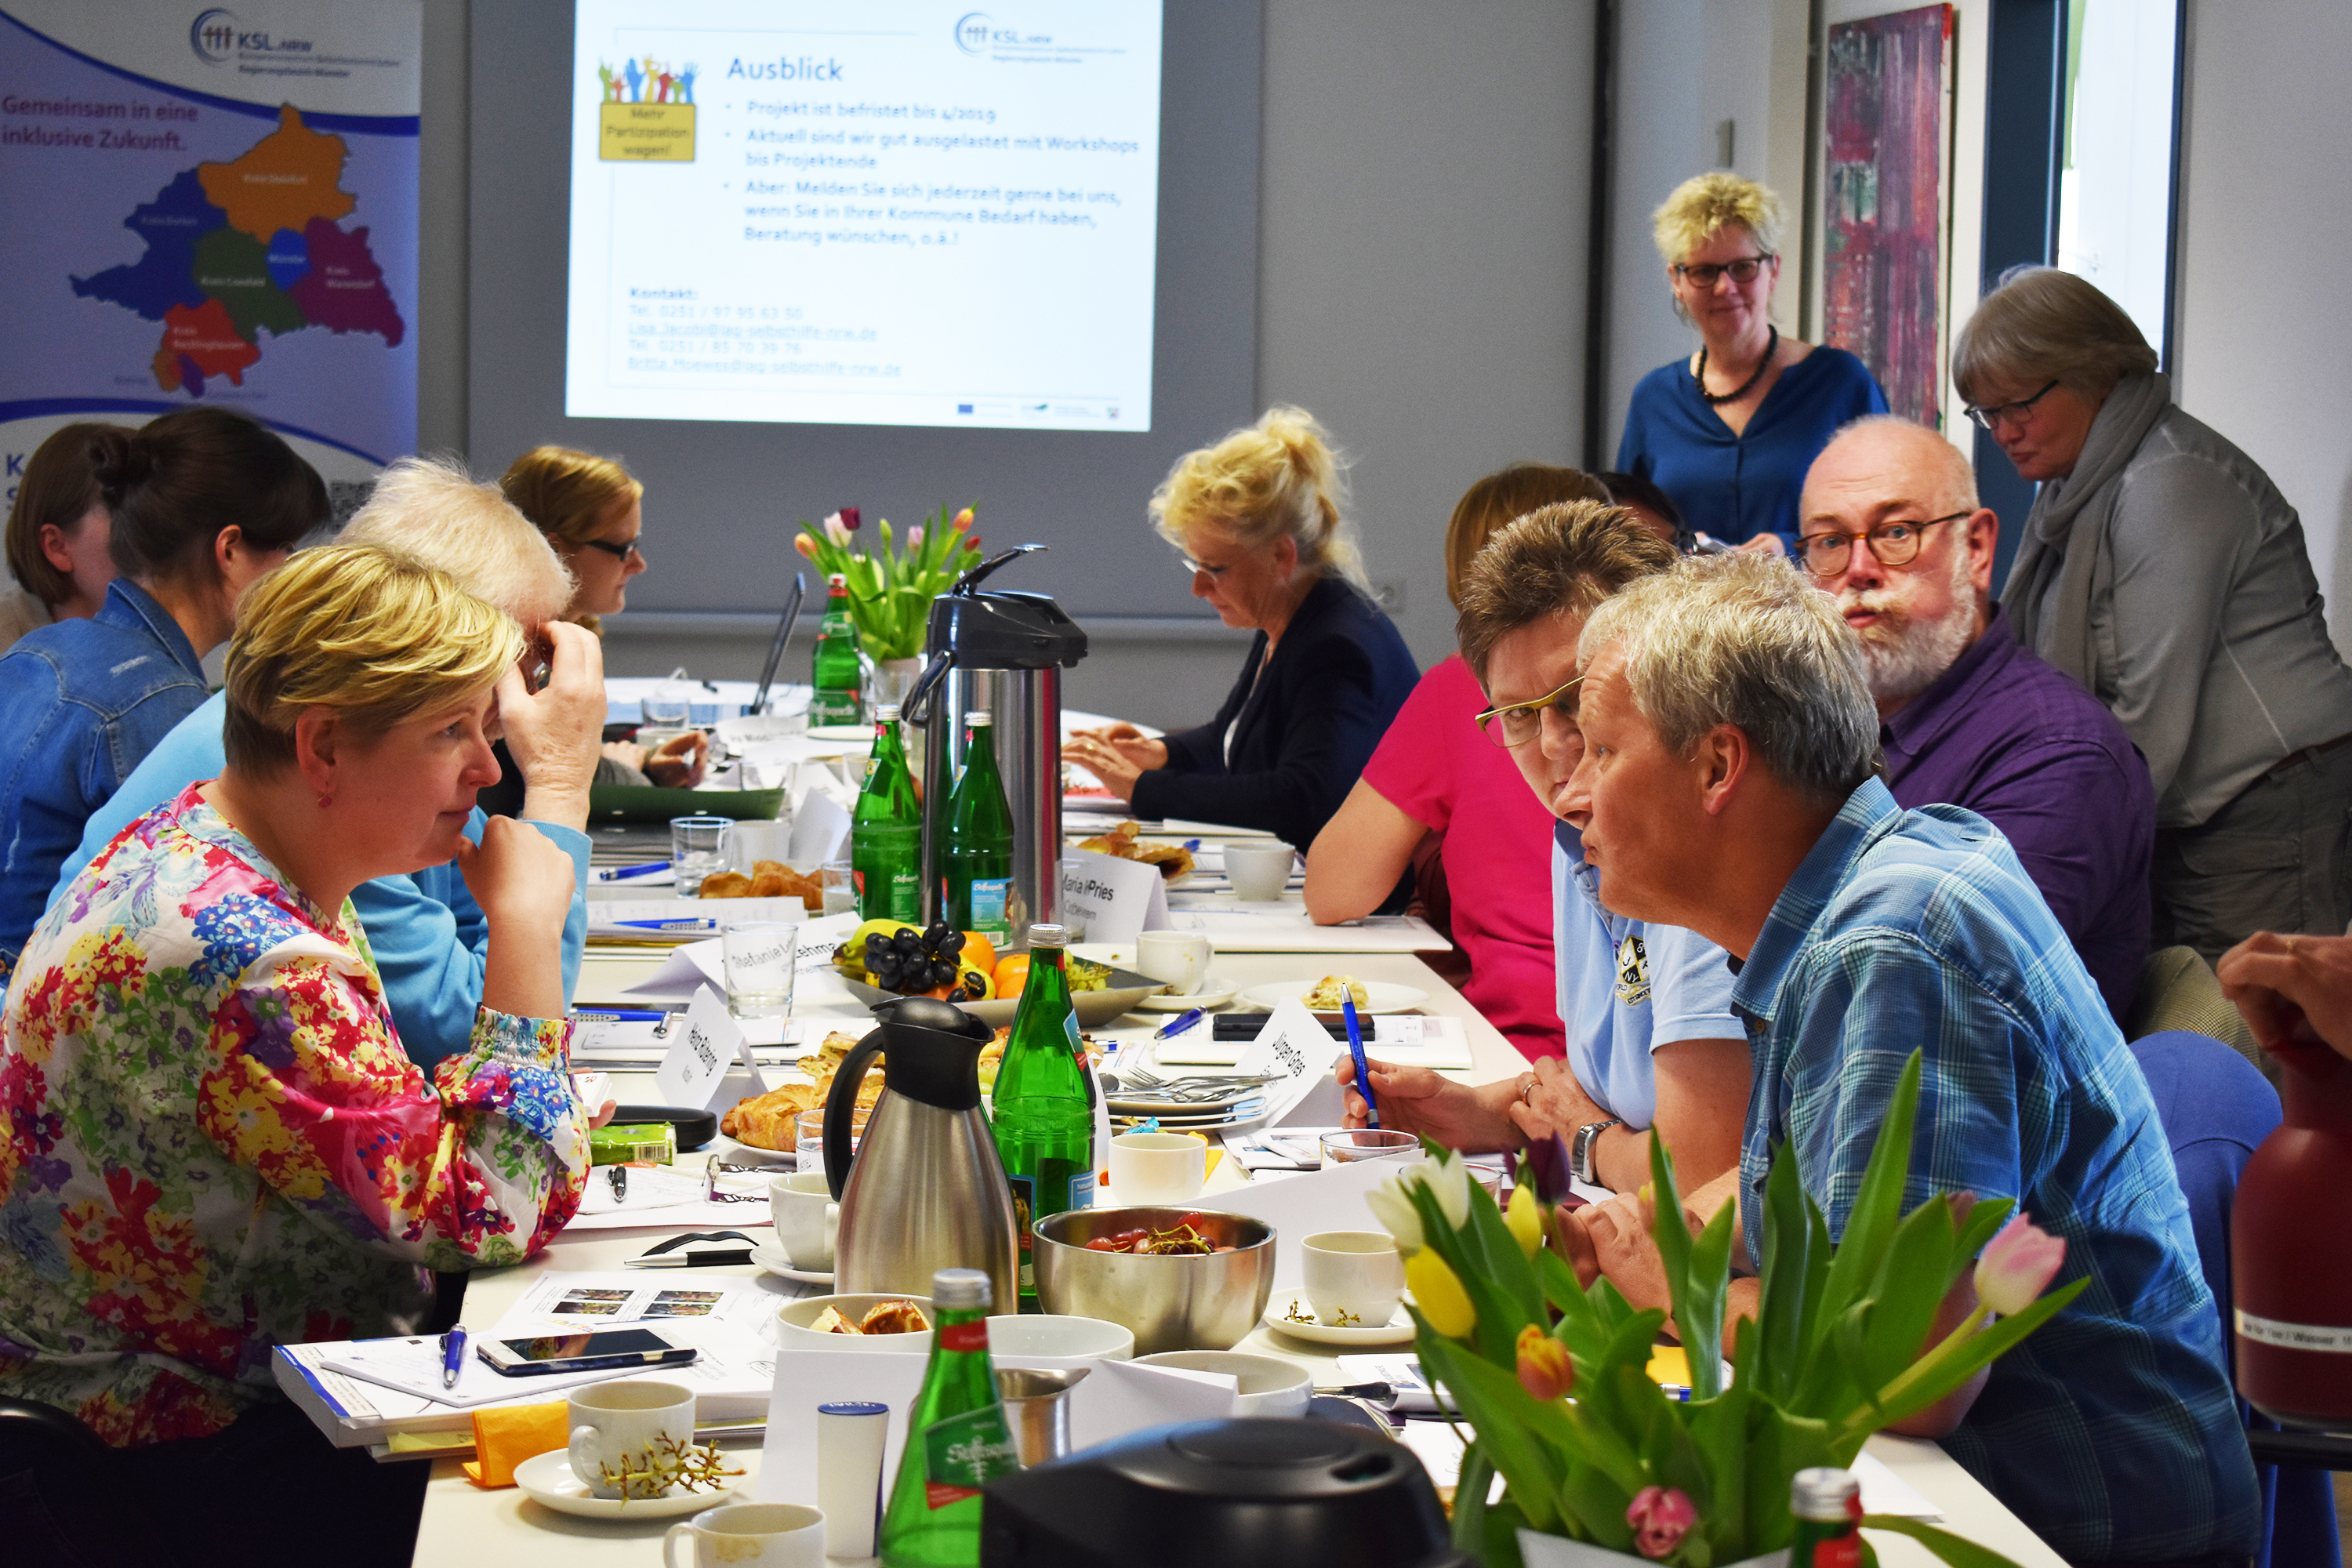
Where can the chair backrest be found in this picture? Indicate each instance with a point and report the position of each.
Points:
(2178, 989)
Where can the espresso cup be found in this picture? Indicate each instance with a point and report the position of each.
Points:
(620, 1429)
(1259, 871)
(749, 1535)
(1157, 1169)
(1178, 957)
(1354, 1277)
(807, 1219)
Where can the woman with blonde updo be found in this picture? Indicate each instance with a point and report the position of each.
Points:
(593, 512)
(1729, 432)
(223, 1147)
(1258, 523)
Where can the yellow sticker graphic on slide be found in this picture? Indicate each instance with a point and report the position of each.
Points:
(646, 133)
(648, 113)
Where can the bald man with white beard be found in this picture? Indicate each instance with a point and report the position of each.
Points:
(1889, 527)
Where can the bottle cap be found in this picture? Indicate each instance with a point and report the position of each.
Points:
(959, 1290)
(886, 713)
(837, 580)
(1822, 1493)
(1049, 936)
(978, 717)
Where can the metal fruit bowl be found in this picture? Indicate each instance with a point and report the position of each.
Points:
(1177, 1303)
(1095, 1009)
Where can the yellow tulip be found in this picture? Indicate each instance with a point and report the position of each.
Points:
(1440, 1295)
(1524, 1218)
(1545, 1371)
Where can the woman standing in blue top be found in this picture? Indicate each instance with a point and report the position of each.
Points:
(1729, 432)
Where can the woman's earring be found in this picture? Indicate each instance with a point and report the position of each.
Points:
(325, 801)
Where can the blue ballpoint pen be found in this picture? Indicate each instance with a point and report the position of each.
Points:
(1177, 1024)
(622, 873)
(622, 1014)
(453, 1355)
(691, 922)
(1363, 1071)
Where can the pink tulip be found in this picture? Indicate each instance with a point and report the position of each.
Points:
(1661, 1517)
(837, 529)
(805, 545)
(2017, 1265)
(915, 537)
(1544, 1368)
(849, 518)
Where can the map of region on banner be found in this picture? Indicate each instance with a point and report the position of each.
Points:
(210, 205)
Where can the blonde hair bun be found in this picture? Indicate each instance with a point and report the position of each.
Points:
(1279, 478)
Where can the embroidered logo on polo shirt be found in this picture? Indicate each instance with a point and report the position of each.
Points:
(1633, 972)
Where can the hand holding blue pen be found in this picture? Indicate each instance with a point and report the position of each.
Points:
(1363, 1070)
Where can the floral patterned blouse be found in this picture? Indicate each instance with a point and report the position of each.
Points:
(211, 1143)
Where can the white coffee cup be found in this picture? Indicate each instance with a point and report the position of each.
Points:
(1156, 1169)
(1354, 1277)
(624, 1426)
(751, 1535)
(1178, 957)
(807, 1218)
(1258, 871)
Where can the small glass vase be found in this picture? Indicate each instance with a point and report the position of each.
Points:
(887, 680)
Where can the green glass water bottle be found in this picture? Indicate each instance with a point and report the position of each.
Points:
(835, 675)
(976, 873)
(1043, 1109)
(885, 832)
(1827, 1504)
(957, 1437)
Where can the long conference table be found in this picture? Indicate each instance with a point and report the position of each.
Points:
(464, 1524)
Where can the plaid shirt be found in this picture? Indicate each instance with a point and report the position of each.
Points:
(2112, 1431)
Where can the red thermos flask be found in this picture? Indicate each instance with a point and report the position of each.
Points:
(2291, 1250)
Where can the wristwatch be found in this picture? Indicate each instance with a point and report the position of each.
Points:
(1580, 1151)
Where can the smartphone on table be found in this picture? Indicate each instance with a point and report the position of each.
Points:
(599, 1350)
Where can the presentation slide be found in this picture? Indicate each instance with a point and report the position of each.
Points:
(865, 212)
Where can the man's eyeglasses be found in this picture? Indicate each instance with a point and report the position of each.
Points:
(1987, 418)
(1702, 274)
(1893, 543)
(1514, 725)
(617, 552)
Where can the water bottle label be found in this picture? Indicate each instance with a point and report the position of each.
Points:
(1082, 1190)
(989, 897)
(964, 1453)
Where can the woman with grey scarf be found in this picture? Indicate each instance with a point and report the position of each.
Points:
(2163, 569)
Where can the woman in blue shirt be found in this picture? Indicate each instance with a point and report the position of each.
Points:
(1729, 432)
(202, 502)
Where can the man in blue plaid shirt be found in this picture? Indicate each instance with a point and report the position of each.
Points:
(1726, 786)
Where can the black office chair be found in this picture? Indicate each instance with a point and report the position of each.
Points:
(63, 1496)
(2215, 1109)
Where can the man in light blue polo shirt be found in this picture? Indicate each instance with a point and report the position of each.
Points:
(1652, 1040)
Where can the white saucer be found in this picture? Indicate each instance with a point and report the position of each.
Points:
(842, 732)
(1396, 1330)
(777, 1261)
(1387, 996)
(547, 1478)
(1214, 997)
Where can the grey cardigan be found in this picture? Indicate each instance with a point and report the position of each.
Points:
(2168, 575)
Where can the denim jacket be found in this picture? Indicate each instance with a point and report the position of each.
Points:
(81, 702)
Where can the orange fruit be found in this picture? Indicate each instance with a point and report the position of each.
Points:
(1012, 973)
(979, 952)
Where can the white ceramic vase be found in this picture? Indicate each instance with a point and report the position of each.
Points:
(1539, 1550)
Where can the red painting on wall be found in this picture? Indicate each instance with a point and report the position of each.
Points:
(1884, 139)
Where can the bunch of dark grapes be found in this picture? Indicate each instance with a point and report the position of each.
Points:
(911, 962)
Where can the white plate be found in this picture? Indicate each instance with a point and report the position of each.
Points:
(547, 1478)
(1396, 1330)
(1387, 996)
(1214, 997)
(842, 732)
(775, 1260)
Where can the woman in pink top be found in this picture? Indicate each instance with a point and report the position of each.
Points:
(1438, 797)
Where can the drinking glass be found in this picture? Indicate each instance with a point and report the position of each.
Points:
(758, 958)
(698, 846)
(1357, 1143)
(840, 887)
(808, 1137)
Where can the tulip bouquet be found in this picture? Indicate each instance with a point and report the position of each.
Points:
(891, 589)
(1552, 1377)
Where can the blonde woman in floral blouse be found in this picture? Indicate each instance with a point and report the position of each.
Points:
(213, 1142)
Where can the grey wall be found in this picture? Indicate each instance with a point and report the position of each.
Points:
(2263, 230)
(1419, 287)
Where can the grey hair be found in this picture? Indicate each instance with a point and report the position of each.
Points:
(1742, 639)
(432, 509)
(2041, 325)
